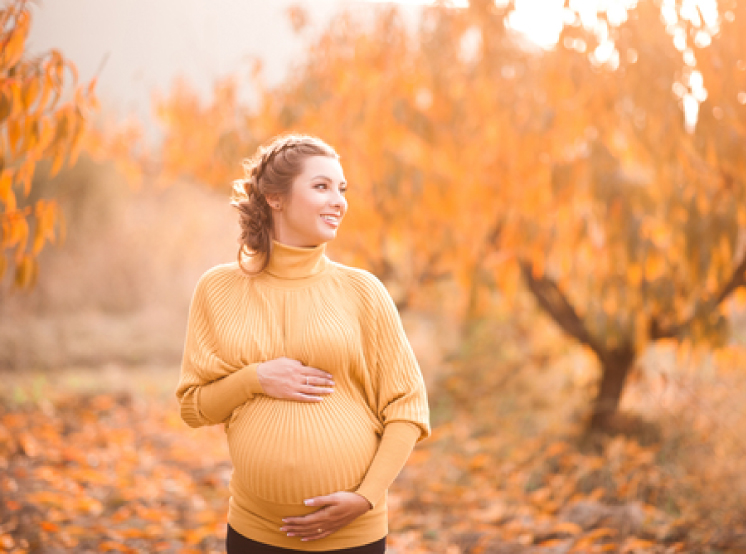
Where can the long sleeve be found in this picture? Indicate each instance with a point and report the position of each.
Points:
(204, 399)
(398, 386)
(397, 442)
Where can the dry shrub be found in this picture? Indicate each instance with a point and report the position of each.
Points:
(698, 397)
(118, 289)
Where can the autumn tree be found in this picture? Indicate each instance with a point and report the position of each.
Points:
(579, 171)
(36, 125)
(641, 236)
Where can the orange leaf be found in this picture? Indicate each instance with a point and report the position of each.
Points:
(600, 533)
(5, 106)
(13, 48)
(7, 196)
(49, 526)
(567, 527)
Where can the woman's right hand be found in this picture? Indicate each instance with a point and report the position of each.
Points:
(289, 379)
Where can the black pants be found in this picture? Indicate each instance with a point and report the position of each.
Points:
(236, 543)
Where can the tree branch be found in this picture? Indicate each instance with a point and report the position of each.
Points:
(551, 299)
(737, 279)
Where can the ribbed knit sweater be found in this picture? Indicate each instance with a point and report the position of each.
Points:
(328, 316)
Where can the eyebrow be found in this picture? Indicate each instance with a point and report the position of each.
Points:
(328, 179)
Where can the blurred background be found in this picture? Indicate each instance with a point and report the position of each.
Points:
(554, 193)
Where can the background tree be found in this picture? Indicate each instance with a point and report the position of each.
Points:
(35, 126)
(642, 236)
(476, 158)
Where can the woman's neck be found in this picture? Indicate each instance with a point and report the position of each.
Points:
(296, 262)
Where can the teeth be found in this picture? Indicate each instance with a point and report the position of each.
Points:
(329, 218)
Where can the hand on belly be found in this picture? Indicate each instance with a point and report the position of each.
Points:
(336, 510)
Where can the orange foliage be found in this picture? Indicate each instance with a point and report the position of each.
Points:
(627, 223)
(34, 126)
(117, 472)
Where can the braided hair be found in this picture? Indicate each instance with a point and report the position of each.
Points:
(271, 170)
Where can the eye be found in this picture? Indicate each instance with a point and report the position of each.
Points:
(343, 190)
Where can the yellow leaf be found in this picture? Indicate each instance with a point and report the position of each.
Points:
(26, 176)
(30, 92)
(567, 527)
(634, 274)
(7, 197)
(21, 233)
(740, 296)
(77, 146)
(14, 134)
(653, 266)
(600, 533)
(57, 162)
(38, 242)
(16, 102)
(13, 49)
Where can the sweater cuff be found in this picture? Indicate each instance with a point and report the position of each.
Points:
(250, 380)
(218, 399)
(397, 442)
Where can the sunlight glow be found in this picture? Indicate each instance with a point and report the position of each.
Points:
(544, 30)
(542, 22)
(447, 3)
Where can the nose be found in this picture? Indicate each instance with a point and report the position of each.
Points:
(339, 201)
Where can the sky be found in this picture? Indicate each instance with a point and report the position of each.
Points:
(138, 46)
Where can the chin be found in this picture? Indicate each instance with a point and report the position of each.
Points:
(327, 236)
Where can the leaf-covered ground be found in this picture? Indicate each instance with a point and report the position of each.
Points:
(117, 471)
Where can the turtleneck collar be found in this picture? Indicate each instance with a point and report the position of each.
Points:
(296, 262)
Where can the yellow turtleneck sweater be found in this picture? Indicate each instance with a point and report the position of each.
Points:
(329, 316)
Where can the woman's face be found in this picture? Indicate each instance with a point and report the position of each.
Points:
(316, 205)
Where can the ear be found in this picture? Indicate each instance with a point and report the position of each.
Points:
(274, 201)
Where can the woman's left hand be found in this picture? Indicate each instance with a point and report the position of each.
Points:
(336, 510)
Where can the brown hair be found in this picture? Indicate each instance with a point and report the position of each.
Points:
(271, 170)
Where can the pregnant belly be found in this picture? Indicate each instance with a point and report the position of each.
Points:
(285, 451)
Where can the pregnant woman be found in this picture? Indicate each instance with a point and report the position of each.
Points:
(306, 363)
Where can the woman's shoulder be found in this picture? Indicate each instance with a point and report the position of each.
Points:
(219, 275)
(363, 281)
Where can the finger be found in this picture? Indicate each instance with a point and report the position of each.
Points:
(311, 533)
(317, 381)
(301, 397)
(298, 523)
(310, 530)
(315, 391)
(314, 517)
(318, 373)
(327, 500)
(317, 536)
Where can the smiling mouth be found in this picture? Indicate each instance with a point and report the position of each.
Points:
(330, 219)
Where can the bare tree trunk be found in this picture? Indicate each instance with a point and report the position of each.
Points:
(615, 362)
(615, 367)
